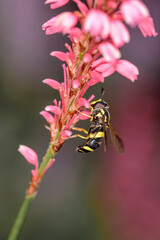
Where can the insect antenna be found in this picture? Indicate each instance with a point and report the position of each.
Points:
(102, 93)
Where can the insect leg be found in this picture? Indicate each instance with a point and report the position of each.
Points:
(78, 135)
(80, 129)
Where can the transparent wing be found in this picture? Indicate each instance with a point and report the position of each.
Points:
(116, 140)
(105, 135)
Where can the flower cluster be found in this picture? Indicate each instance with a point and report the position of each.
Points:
(93, 55)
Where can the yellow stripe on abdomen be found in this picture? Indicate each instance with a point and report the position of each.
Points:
(88, 148)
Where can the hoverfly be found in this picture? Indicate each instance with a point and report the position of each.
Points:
(100, 122)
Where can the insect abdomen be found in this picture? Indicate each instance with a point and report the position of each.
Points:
(93, 142)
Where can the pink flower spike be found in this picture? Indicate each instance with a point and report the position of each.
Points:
(82, 7)
(119, 33)
(134, 11)
(49, 118)
(84, 115)
(87, 58)
(60, 55)
(66, 133)
(54, 109)
(56, 3)
(98, 29)
(84, 102)
(147, 27)
(52, 83)
(29, 154)
(127, 69)
(109, 51)
(75, 84)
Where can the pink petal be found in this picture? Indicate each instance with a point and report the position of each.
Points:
(53, 109)
(127, 69)
(119, 33)
(84, 102)
(82, 7)
(51, 161)
(56, 3)
(91, 97)
(52, 83)
(84, 115)
(98, 61)
(49, 118)
(75, 84)
(66, 133)
(60, 55)
(147, 27)
(90, 2)
(109, 51)
(106, 69)
(29, 154)
(97, 76)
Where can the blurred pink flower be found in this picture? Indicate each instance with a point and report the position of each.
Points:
(146, 26)
(109, 51)
(124, 67)
(63, 22)
(133, 11)
(119, 33)
(97, 28)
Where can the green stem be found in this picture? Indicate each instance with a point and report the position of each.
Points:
(21, 217)
(49, 155)
(22, 214)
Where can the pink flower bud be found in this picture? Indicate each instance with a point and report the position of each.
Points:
(119, 33)
(87, 58)
(84, 102)
(109, 51)
(52, 83)
(49, 118)
(100, 28)
(75, 84)
(60, 55)
(31, 156)
(53, 109)
(127, 69)
(66, 133)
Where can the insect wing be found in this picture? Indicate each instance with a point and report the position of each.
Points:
(105, 135)
(116, 140)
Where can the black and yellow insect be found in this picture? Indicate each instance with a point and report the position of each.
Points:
(100, 121)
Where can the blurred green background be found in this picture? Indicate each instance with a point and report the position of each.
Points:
(98, 196)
